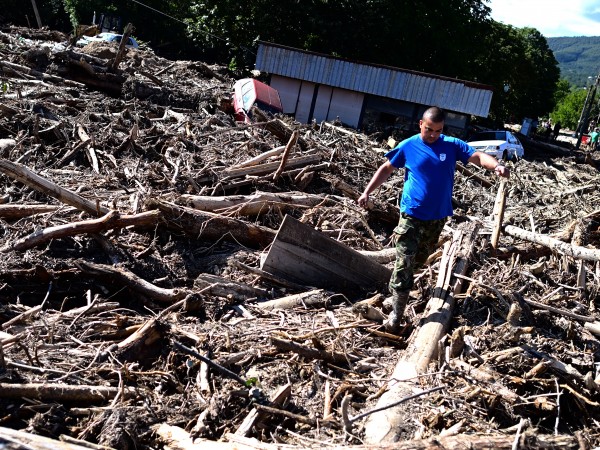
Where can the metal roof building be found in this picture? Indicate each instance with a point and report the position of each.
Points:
(322, 87)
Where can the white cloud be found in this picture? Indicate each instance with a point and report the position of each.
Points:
(552, 18)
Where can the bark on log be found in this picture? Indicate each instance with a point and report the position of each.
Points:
(387, 425)
(40, 75)
(21, 440)
(257, 159)
(111, 220)
(255, 204)
(178, 439)
(262, 169)
(212, 227)
(313, 353)
(62, 392)
(224, 287)
(24, 175)
(315, 298)
(561, 247)
(15, 212)
(133, 281)
(286, 154)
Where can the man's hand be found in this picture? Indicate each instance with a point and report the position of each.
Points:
(363, 200)
(502, 171)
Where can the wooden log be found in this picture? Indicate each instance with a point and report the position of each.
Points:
(383, 256)
(560, 247)
(16, 212)
(112, 220)
(62, 392)
(498, 214)
(132, 281)
(286, 155)
(315, 298)
(178, 439)
(212, 227)
(262, 169)
(21, 173)
(22, 440)
(255, 204)
(40, 75)
(114, 65)
(259, 158)
(313, 353)
(387, 425)
(224, 287)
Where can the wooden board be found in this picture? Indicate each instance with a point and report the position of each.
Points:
(305, 256)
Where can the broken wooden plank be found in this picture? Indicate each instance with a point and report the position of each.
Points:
(499, 207)
(303, 255)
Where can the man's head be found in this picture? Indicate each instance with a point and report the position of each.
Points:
(432, 124)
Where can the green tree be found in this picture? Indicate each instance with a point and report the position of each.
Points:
(520, 59)
(568, 111)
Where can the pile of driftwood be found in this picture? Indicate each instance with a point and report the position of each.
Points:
(173, 279)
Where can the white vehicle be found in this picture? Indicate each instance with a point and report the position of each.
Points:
(501, 144)
(107, 37)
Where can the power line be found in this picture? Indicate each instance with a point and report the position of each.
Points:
(175, 18)
(249, 50)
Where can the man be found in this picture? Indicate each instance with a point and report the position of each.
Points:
(429, 160)
(594, 139)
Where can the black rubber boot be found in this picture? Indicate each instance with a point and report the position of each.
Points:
(399, 301)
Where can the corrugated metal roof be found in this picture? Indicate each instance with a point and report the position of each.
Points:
(416, 87)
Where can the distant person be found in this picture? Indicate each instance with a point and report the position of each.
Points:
(594, 139)
(556, 130)
(547, 129)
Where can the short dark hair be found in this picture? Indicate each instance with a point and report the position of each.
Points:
(435, 114)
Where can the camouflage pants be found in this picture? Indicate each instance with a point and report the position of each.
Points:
(415, 241)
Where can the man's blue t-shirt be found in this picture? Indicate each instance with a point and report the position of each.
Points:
(429, 174)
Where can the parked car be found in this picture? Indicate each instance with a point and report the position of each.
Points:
(107, 37)
(501, 144)
(248, 92)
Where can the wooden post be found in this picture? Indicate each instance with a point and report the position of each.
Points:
(37, 13)
(499, 212)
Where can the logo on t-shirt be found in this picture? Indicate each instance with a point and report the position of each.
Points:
(442, 157)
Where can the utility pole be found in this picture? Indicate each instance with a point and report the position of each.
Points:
(37, 13)
(585, 112)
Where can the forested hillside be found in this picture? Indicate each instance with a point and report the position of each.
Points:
(578, 57)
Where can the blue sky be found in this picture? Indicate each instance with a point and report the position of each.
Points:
(552, 18)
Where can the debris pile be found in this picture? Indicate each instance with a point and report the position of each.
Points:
(153, 288)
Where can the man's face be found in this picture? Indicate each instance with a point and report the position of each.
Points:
(430, 131)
